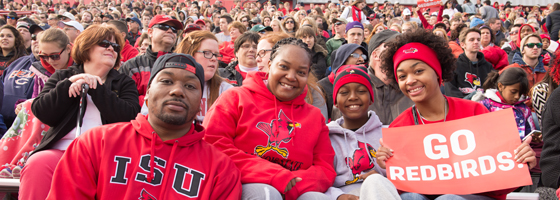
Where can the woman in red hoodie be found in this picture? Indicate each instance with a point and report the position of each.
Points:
(420, 62)
(278, 141)
(492, 53)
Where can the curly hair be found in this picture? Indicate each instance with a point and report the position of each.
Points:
(19, 46)
(290, 41)
(438, 44)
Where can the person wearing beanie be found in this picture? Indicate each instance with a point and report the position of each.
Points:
(355, 138)
(348, 54)
(390, 101)
(475, 22)
(164, 156)
(472, 67)
(420, 62)
(546, 53)
(354, 35)
(531, 59)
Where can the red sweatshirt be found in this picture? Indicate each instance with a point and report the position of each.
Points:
(270, 141)
(114, 162)
(458, 109)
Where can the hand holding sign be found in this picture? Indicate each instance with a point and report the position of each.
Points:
(383, 154)
(435, 158)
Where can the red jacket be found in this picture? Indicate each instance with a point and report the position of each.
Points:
(496, 56)
(458, 109)
(128, 52)
(113, 162)
(227, 50)
(425, 23)
(270, 141)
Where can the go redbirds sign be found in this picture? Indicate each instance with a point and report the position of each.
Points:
(425, 4)
(466, 156)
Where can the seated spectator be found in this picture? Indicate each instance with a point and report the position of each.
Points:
(245, 50)
(272, 161)
(454, 42)
(472, 67)
(203, 45)
(227, 48)
(318, 60)
(166, 156)
(128, 51)
(13, 47)
(547, 55)
(492, 53)
(144, 43)
(435, 64)
(550, 129)
(523, 31)
(542, 90)
(530, 59)
(112, 98)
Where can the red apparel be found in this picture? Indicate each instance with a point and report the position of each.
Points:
(128, 52)
(458, 109)
(246, 122)
(283, 10)
(425, 23)
(113, 162)
(243, 74)
(496, 56)
(227, 51)
(533, 77)
(356, 14)
(456, 49)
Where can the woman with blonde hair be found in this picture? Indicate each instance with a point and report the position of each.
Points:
(275, 25)
(203, 46)
(300, 15)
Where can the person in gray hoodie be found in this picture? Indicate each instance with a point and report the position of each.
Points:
(355, 139)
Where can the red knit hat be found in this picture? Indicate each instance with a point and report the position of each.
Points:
(417, 51)
(352, 74)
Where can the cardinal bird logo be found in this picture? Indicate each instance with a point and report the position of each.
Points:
(473, 79)
(360, 161)
(144, 195)
(278, 131)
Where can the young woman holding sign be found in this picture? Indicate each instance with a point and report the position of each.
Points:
(420, 61)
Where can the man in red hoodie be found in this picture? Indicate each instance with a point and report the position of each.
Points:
(158, 156)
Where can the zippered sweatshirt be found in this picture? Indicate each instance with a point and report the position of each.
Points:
(272, 141)
(355, 153)
(115, 162)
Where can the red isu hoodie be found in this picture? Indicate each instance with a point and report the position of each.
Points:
(114, 162)
(270, 141)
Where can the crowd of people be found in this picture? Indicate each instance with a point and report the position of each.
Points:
(172, 100)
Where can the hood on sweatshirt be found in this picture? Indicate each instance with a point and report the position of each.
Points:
(351, 148)
(494, 95)
(518, 43)
(342, 54)
(143, 127)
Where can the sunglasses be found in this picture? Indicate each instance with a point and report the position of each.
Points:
(106, 44)
(514, 32)
(52, 56)
(165, 27)
(33, 37)
(532, 45)
(11, 17)
(338, 23)
(290, 22)
(357, 55)
(262, 52)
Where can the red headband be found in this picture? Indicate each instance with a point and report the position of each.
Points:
(420, 52)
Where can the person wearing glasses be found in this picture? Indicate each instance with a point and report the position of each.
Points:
(290, 25)
(12, 18)
(163, 33)
(203, 46)
(112, 98)
(245, 50)
(531, 59)
(235, 30)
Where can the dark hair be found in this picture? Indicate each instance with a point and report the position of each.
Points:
(455, 33)
(19, 48)
(554, 65)
(120, 25)
(290, 41)
(248, 36)
(556, 7)
(227, 17)
(437, 43)
(492, 36)
(487, 2)
(509, 76)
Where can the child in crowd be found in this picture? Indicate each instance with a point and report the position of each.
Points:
(355, 136)
(506, 90)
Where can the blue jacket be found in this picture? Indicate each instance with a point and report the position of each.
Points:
(18, 85)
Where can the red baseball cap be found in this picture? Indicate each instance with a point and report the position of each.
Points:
(200, 21)
(160, 19)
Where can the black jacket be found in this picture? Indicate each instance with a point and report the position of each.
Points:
(327, 88)
(319, 60)
(468, 77)
(553, 24)
(550, 154)
(116, 99)
(499, 37)
(231, 74)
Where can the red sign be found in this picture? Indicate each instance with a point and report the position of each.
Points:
(425, 4)
(466, 156)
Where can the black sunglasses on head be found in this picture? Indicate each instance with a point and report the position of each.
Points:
(165, 27)
(107, 43)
